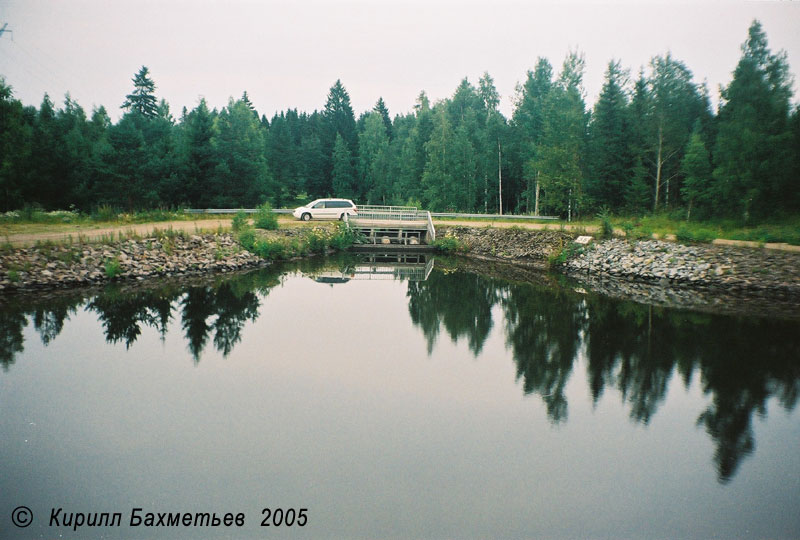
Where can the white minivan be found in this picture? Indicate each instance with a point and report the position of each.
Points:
(326, 209)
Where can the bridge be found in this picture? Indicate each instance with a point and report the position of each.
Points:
(393, 225)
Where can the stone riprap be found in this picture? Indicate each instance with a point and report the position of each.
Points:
(532, 247)
(137, 259)
(671, 264)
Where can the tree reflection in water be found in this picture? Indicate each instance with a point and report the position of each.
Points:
(636, 349)
(742, 361)
(220, 306)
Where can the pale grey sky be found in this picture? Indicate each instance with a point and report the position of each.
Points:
(288, 54)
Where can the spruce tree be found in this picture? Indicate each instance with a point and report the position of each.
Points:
(142, 100)
(609, 145)
(696, 166)
(383, 111)
(343, 177)
(753, 153)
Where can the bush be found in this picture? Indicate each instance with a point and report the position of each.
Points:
(239, 221)
(317, 241)
(343, 238)
(561, 256)
(448, 244)
(112, 267)
(696, 235)
(606, 228)
(266, 218)
(247, 238)
(104, 213)
(270, 250)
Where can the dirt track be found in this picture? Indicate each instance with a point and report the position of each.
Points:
(142, 229)
(91, 233)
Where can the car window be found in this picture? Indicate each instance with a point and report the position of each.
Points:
(319, 205)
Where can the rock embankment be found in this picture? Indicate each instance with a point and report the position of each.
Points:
(531, 247)
(654, 271)
(85, 264)
(670, 264)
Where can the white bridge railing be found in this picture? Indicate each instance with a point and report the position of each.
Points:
(371, 212)
(391, 213)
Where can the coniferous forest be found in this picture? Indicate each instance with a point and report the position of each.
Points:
(653, 142)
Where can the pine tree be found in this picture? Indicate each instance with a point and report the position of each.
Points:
(15, 149)
(200, 158)
(242, 176)
(373, 159)
(437, 179)
(142, 100)
(753, 154)
(381, 109)
(494, 132)
(528, 120)
(696, 167)
(343, 176)
(609, 144)
(558, 152)
(675, 103)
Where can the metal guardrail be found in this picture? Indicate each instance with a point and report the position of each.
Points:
(233, 210)
(433, 214)
(491, 216)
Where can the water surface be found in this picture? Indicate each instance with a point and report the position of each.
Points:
(409, 401)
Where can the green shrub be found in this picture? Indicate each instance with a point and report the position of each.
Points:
(104, 213)
(265, 218)
(247, 238)
(448, 244)
(13, 276)
(343, 238)
(606, 228)
(564, 254)
(113, 267)
(239, 221)
(696, 235)
(270, 249)
(317, 241)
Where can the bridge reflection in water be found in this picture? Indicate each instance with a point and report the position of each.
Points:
(397, 265)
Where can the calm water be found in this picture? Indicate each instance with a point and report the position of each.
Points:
(457, 406)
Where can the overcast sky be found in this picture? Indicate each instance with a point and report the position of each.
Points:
(288, 54)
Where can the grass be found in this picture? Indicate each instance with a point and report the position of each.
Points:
(100, 214)
(317, 240)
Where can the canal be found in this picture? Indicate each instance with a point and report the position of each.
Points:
(405, 399)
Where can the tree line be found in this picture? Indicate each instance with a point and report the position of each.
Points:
(652, 142)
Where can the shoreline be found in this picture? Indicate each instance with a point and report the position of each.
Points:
(82, 264)
(653, 271)
(659, 272)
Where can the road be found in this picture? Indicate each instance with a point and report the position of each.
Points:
(29, 235)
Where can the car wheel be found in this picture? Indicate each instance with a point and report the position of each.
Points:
(306, 217)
